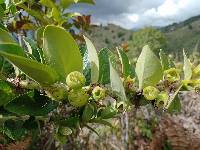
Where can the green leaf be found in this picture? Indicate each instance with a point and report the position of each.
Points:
(41, 73)
(86, 1)
(67, 3)
(12, 49)
(2, 1)
(5, 37)
(164, 60)
(127, 70)
(187, 68)
(61, 51)
(71, 15)
(108, 112)
(31, 103)
(173, 97)
(48, 3)
(1, 12)
(104, 67)
(93, 130)
(39, 35)
(88, 112)
(116, 83)
(175, 106)
(6, 93)
(14, 129)
(101, 121)
(33, 49)
(86, 65)
(72, 122)
(3, 27)
(93, 59)
(148, 68)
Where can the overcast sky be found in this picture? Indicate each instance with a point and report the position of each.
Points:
(140, 13)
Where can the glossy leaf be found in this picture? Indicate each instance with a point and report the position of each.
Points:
(12, 49)
(116, 83)
(102, 121)
(88, 112)
(67, 3)
(71, 122)
(173, 97)
(187, 68)
(61, 51)
(41, 73)
(86, 64)
(6, 93)
(33, 49)
(148, 68)
(93, 59)
(32, 104)
(5, 37)
(48, 3)
(127, 69)
(108, 112)
(14, 129)
(175, 106)
(104, 66)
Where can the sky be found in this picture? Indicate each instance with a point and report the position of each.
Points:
(132, 14)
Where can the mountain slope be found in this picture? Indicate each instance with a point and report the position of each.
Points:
(108, 36)
(181, 35)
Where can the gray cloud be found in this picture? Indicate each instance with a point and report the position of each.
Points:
(140, 13)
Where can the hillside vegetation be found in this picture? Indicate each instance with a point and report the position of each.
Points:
(181, 35)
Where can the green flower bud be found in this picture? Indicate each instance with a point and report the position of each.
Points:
(75, 80)
(78, 98)
(172, 75)
(98, 93)
(64, 131)
(56, 92)
(162, 99)
(150, 92)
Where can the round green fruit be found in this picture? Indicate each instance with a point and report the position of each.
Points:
(98, 93)
(150, 92)
(172, 75)
(78, 98)
(75, 80)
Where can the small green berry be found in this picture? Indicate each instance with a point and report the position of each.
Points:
(78, 98)
(172, 75)
(98, 93)
(162, 99)
(75, 80)
(150, 92)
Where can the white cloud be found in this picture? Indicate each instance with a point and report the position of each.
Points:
(134, 13)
